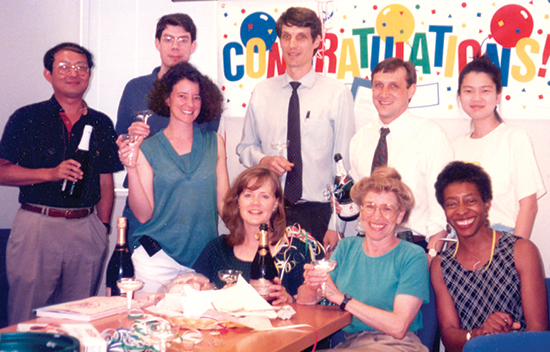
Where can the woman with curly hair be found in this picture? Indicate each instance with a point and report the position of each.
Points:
(178, 180)
(255, 198)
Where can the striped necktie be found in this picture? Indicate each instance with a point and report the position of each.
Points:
(381, 153)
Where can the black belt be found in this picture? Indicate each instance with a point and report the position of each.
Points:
(58, 213)
(405, 235)
(303, 203)
(410, 237)
(151, 246)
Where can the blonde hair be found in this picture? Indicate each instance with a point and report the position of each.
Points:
(384, 179)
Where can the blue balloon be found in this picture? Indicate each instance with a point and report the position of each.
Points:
(259, 25)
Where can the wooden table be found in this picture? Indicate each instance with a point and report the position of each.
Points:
(324, 320)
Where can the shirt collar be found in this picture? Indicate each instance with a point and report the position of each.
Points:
(307, 81)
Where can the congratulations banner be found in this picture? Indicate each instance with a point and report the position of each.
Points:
(439, 37)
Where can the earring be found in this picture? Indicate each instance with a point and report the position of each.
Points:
(449, 228)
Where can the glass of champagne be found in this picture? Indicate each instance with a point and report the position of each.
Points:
(325, 266)
(163, 332)
(143, 115)
(280, 147)
(129, 285)
(133, 140)
(229, 276)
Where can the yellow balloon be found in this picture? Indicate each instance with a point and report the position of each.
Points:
(396, 21)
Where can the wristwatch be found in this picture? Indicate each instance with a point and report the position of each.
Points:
(432, 252)
(347, 298)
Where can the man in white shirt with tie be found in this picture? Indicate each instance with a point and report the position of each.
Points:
(416, 147)
(326, 123)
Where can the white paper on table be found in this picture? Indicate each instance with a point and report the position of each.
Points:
(243, 298)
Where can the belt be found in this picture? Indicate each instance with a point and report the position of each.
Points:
(57, 213)
(410, 237)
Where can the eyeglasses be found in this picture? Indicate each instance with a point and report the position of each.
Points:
(80, 69)
(169, 40)
(387, 210)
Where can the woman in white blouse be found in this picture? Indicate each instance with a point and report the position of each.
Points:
(505, 152)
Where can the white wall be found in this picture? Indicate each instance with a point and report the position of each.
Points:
(26, 33)
(121, 35)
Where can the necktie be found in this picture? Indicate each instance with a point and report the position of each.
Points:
(293, 183)
(381, 153)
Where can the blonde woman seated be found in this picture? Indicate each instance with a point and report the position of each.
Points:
(489, 282)
(380, 279)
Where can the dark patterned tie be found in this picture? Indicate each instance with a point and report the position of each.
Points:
(381, 153)
(293, 183)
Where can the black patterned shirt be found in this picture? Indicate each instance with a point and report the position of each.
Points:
(477, 294)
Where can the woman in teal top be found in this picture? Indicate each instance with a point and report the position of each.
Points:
(380, 279)
(177, 179)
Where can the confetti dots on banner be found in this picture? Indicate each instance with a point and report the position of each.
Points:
(539, 31)
(223, 88)
(225, 14)
(375, 7)
(450, 106)
(508, 97)
(433, 12)
(511, 23)
(542, 72)
(417, 7)
(541, 96)
(244, 105)
(342, 30)
(276, 10)
(225, 36)
(449, 89)
(345, 17)
(243, 11)
(464, 5)
(479, 14)
(241, 86)
(395, 21)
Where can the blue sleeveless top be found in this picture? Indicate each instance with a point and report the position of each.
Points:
(185, 217)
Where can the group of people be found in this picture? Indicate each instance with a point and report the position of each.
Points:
(178, 184)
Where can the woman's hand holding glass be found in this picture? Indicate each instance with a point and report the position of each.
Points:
(320, 282)
(128, 149)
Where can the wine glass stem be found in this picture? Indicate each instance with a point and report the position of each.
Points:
(162, 347)
(129, 297)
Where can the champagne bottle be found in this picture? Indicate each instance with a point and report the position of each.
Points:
(263, 269)
(342, 188)
(120, 265)
(73, 189)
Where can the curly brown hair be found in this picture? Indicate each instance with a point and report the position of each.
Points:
(384, 179)
(211, 96)
(252, 179)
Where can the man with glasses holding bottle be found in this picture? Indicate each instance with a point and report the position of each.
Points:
(175, 39)
(57, 243)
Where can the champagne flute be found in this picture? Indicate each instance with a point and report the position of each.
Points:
(143, 115)
(129, 285)
(229, 276)
(325, 266)
(163, 332)
(133, 140)
(280, 146)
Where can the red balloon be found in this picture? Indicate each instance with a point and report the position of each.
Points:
(510, 24)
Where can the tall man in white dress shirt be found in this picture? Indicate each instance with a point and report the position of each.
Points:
(416, 147)
(326, 123)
